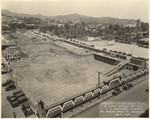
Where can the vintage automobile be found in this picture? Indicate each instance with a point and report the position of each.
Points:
(116, 92)
(16, 92)
(4, 71)
(13, 101)
(7, 83)
(11, 98)
(127, 87)
(130, 85)
(22, 99)
(26, 109)
(27, 112)
(10, 87)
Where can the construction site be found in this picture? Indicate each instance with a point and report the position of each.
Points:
(51, 70)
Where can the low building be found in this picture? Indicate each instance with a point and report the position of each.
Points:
(143, 34)
(143, 42)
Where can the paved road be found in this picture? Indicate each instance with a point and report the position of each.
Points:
(136, 94)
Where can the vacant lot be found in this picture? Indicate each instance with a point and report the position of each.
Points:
(51, 73)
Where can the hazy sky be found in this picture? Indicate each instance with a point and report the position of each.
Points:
(132, 9)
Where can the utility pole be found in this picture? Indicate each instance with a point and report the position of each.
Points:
(99, 81)
(99, 78)
(123, 75)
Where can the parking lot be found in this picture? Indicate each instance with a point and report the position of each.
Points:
(7, 109)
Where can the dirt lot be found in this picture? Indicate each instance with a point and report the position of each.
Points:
(51, 73)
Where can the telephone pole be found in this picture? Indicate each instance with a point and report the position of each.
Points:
(99, 78)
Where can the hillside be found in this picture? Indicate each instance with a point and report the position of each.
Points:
(71, 17)
(22, 15)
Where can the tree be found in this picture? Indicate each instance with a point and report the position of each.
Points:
(144, 26)
(67, 26)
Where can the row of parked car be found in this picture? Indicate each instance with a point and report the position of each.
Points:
(122, 41)
(126, 87)
(19, 99)
(118, 52)
(9, 85)
(144, 46)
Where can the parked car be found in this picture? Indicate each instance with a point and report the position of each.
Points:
(130, 85)
(25, 104)
(7, 82)
(123, 53)
(27, 111)
(19, 94)
(104, 49)
(116, 92)
(13, 101)
(16, 92)
(129, 54)
(11, 98)
(22, 99)
(10, 87)
(92, 45)
(127, 87)
(3, 71)
(119, 52)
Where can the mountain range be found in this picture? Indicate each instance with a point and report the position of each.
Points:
(71, 17)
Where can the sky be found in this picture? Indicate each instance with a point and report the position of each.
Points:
(128, 9)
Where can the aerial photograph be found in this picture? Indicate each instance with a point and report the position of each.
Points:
(75, 59)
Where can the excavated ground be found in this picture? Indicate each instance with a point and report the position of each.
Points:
(51, 72)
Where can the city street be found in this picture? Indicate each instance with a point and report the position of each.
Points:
(136, 94)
